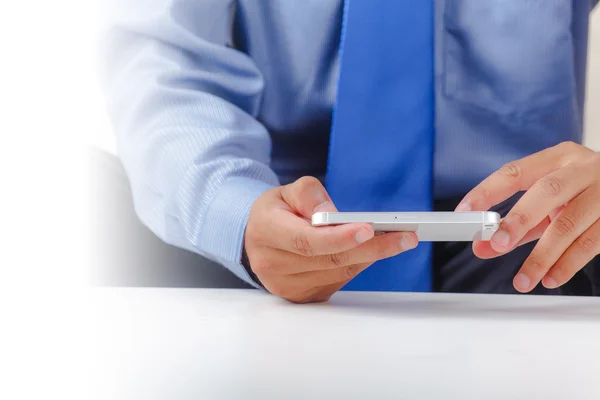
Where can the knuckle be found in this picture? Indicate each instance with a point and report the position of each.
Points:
(593, 164)
(550, 186)
(339, 259)
(521, 218)
(278, 290)
(307, 183)
(485, 194)
(512, 171)
(560, 272)
(349, 272)
(569, 146)
(567, 151)
(312, 296)
(587, 243)
(255, 238)
(536, 263)
(288, 293)
(595, 195)
(387, 248)
(565, 225)
(302, 245)
(321, 298)
(258, 267)
(263, 265)
(300, 299)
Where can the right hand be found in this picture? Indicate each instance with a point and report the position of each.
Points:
(302, 263)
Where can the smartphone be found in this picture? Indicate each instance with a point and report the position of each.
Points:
(428, 226)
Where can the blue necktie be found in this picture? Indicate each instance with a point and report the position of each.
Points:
(381, 150)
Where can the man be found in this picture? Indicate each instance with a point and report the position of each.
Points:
(223, 113)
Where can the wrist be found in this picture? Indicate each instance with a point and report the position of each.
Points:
(246, 264)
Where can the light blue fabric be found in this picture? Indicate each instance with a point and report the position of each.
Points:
(510, 82)
(215, 101)
(391, 167)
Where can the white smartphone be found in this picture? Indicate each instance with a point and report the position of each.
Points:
(428, 226)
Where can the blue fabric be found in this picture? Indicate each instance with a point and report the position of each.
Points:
(509, 82)
(381, 152)
(213, 102)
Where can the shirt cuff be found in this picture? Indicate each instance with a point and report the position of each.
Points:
(224, 226)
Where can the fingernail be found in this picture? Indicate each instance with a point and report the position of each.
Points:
(549, 283)
(465, 206)
(325, 206)
(408, 243)
(522, 282)
(501, 238)
(363, 235)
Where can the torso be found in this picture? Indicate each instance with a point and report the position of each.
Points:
(509, 75)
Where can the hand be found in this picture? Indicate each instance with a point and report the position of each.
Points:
(561, 207)
(302, 263)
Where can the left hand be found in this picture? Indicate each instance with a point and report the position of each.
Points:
(561, 207)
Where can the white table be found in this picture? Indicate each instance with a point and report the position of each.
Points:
(231, 344)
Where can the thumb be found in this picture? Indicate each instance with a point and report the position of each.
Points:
(307, 196)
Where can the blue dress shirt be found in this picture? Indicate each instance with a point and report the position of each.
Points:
(215, 101)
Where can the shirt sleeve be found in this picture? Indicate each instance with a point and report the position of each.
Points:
(183, 103)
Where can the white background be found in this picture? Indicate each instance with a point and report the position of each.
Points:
(593, 104)
(50, 110)
(49, 107)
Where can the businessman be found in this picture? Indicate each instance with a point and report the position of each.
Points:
(237, 120)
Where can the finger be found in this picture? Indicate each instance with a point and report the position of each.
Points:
(296, 290)
(547, 194)
(579, 254)
(570, 224)
(324, 293)
(327, 278)
(378, 248)
(286, 231)
(340, 275)
(518, 176)
(346, 273)
(484, 250)
(307, 196)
